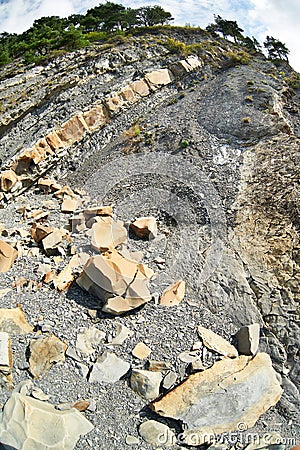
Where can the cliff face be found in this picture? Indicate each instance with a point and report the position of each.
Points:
(209, 144)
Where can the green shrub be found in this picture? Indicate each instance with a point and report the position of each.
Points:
(184, 143)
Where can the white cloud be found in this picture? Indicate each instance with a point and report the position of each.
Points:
(280, 19)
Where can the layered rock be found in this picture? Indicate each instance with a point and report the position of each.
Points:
(37, 424)
(220, 398)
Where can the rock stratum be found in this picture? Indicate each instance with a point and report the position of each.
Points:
(149, 248)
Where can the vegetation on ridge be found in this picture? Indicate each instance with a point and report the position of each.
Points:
(51, 36)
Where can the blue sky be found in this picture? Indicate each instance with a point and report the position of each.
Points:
(277, 18)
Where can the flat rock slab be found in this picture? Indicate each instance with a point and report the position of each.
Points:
(108, 368)
(29, 424)
(8, 255)
(217, 400)
(13, 321)
(157, 433)
(44, 352)
(216, 343)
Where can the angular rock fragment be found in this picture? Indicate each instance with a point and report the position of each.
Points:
(44, 352)
(88, 340)
(13, 321)
(140, 87)
(128, 95)
(28, 424)
(215, 401)
(106, 236)
(216, 343)
(70, 204)
(64, 279)
(95, 118)
(39, 232)
(53, 141)
(146, 383)
(77, 223)
(97, 211)
(141, 351)
(174, 294)
(8, 255)
(248, 339)
(121, 283)
(157, 434)
(8, 180)
(5, 353)
(159, 78)
(108, 368)
(123, 333)
(53, 240)
(120, 305)
(115, 103)
(158, 366)
(145, 227)
(73, 130)
(81, 405)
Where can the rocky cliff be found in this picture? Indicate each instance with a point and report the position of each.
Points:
(201, 135)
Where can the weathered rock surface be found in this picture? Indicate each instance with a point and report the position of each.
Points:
(216, 343)
(220, 398)
(107, 236)
(157, 433)
(108, 369)
(5, 353)
(8, 255)
(248, 339)
(146, 383)
(13, 321)
(173, 294)
(121, 283)
(88, 340)
(36, 424)
(145, 227)
(44, 352)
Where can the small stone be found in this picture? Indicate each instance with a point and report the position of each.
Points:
(71, 353)
(123, 333)
(81, 405)
(169, 380)
(141, 351)
(13, 321)
(106, 236)
(52, 242)
(174, 294)
(88, 340)
(44, 352)
(248, 339)
(131, 440)
(145, 227)
(70, 204)
(146, 383)
(108, 369)
(8, 179)
(216, 343)
(5, 353)
(157, 433)
(158, 366)
(8, 255)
